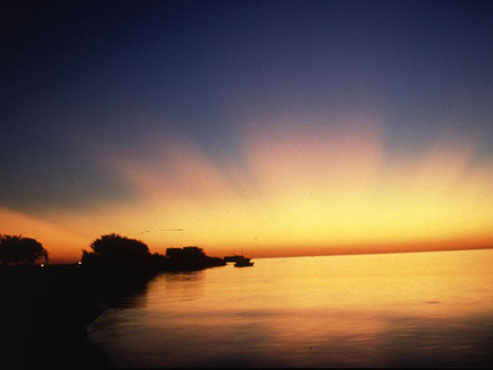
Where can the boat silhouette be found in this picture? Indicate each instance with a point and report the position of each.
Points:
(239, 260)
(243, 262)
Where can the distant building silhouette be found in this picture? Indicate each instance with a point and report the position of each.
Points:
(186, 252)
(191, 258)
(173, 252)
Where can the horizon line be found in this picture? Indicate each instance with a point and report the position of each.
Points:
(66, 262)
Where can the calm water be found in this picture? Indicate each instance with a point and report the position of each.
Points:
(420, 309)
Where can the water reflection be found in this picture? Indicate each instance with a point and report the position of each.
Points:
(130, 296)
(429, 309)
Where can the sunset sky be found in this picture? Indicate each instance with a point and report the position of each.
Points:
(271, 128)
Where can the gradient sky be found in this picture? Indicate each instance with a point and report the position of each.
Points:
(269, 127)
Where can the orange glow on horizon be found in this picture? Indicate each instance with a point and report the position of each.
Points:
(61, 243)
(290, 192)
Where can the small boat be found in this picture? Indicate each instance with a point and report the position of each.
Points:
(235, 258)
(243, 262)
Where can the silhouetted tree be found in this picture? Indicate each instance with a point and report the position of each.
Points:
(114, 248)
(118, 253)
(17, 249)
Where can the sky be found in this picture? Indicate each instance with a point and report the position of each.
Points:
(269, 128)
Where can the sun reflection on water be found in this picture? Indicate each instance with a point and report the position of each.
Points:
(367, 310)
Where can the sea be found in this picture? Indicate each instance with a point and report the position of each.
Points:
(429, 309)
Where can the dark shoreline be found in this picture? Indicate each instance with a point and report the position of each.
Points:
(48, 310)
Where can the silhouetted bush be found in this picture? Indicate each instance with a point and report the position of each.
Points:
(118, 253)
(114, 249)
(114, 245)
(15, 249)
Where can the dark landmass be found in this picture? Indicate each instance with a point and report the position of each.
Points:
(46, 310)
(45, 314)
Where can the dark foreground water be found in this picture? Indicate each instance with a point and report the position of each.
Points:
(415, 309)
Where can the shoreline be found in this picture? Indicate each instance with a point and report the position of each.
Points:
(48, 312)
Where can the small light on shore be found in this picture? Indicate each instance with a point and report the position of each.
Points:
(42, 265)
(80, 262)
